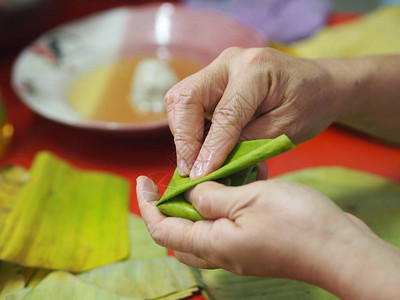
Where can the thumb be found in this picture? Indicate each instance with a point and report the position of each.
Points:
(214, 200)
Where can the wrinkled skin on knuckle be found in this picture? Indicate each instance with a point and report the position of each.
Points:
(185, 103)
(254, 69)
(260, 58)
(169, 97)
(183, 137)
(228, 117)
(187, 90)
(187, 146)
(230, 52)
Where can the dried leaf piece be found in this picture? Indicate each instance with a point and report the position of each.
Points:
(67, 219)
(160, 278)
(20, 294)
(37, 276)
(12, 179)
(65, 286)
(222, 285)
(142, 246)
(13, 278)
(373, 199)
(239, 167)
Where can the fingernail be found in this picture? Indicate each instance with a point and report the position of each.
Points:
(139, 181)
(147, 188)
(198, 169)
(183, 168)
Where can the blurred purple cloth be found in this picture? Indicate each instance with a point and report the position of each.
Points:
(279, 20)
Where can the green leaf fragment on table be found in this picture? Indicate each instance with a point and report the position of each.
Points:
(373, 199)
(239, 168)
(142, 246)
(68, 219)
(222, 285)
(160, 278)
(65, 286)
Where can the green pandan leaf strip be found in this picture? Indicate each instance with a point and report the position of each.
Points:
(238, 169)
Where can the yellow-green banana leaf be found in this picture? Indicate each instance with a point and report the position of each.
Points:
(222, 285)
(373, 199)
(238, 169)
(20, 294)
(376, 33)
(12, 178)
(65, 286)
(142, 246)
(160, 278)
(67, 219)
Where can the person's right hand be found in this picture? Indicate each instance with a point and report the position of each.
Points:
(252, 94)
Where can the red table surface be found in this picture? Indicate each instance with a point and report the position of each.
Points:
(155, 157)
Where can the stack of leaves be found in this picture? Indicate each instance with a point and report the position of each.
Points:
(66, 219)
(58, 217)
(148, 274)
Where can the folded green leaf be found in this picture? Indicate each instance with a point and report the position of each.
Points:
(373, 199)
(67, 219)
(142, 246)
(238, 169)
(65, 286)
(161, 278)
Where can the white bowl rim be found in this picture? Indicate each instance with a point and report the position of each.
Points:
(117, 126)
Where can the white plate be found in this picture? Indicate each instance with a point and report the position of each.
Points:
(44, 72)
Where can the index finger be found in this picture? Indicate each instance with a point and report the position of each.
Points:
(234, 111)
(186, 103)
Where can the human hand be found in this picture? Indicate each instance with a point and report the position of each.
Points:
(252, 94)
(279, 229)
